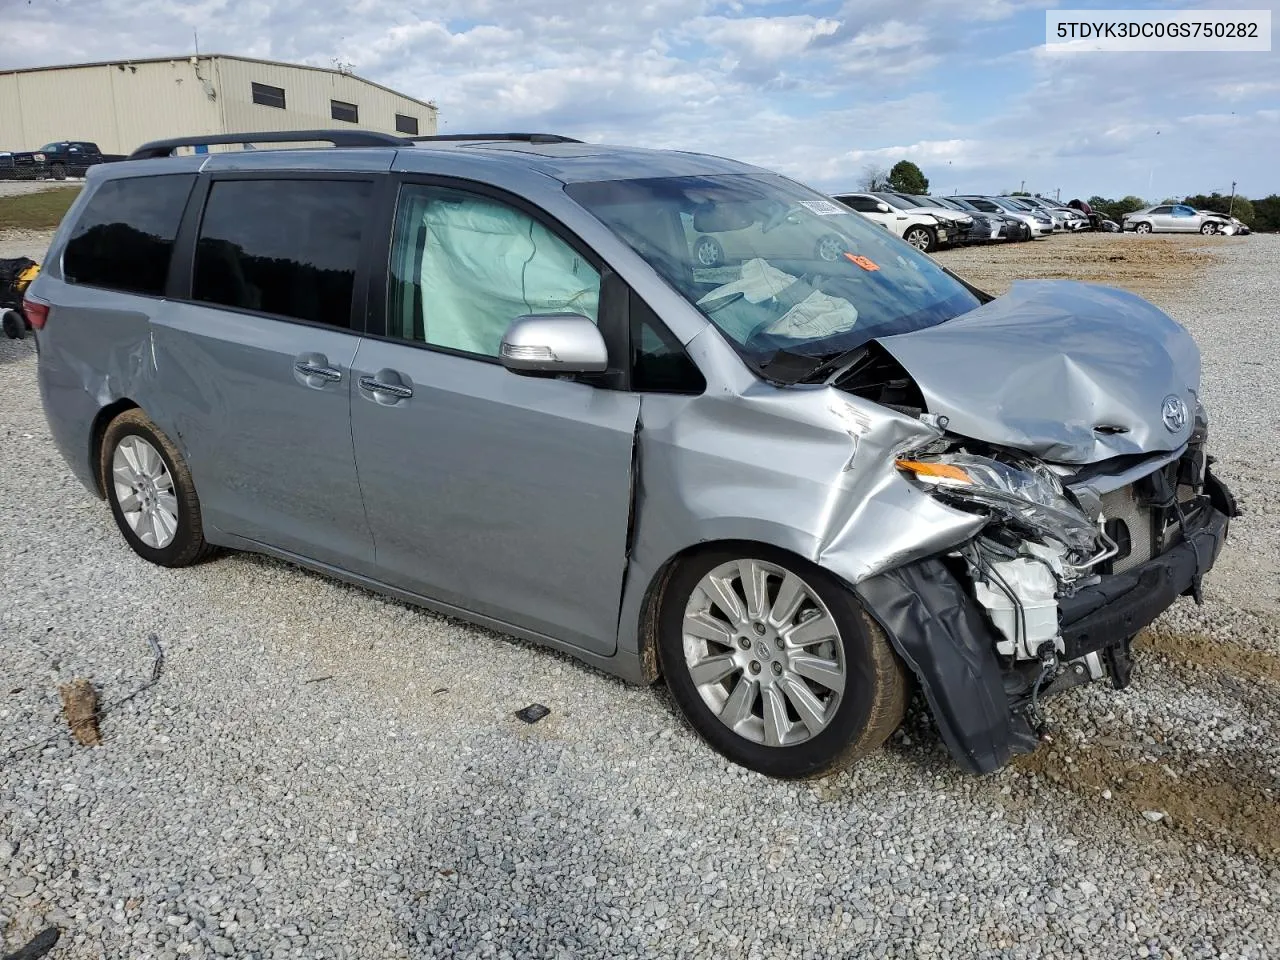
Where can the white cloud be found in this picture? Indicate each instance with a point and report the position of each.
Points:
(816, 89)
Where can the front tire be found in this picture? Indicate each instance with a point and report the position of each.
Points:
(922, 238)
(1142, 228)
(1209, 229)
(59, 172)
(775, 664)
(151, 494)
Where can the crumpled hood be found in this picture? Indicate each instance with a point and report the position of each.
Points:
(1043, 367)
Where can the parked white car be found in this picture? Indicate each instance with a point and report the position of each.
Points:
(924, 231)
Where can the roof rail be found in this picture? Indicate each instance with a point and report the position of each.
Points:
(339, 138)
(519, 137)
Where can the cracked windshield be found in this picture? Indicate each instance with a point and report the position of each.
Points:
(786, 274)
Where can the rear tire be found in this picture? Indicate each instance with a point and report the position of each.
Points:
(790, 688)
(151, 494)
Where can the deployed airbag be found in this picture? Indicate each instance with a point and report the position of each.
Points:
(485, 264)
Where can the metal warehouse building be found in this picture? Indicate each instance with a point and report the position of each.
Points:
(123, 104)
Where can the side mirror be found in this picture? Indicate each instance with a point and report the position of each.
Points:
(883, 207)
(554, 343)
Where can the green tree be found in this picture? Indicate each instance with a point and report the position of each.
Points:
(1019, 193)
(1115, 209)
(1266, 213)
(906, 177)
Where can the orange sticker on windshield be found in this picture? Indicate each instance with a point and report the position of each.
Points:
(861, 261)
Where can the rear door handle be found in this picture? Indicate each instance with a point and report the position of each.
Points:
(309, 368)
(398, 390)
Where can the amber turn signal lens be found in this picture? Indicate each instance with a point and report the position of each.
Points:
(943, 471)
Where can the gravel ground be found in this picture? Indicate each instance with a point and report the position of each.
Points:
(320, 772)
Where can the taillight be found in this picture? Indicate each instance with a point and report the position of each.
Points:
(37, 312)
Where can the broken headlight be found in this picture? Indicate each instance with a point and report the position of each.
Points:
(1029, 497)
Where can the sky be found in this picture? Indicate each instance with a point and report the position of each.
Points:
(816, 89)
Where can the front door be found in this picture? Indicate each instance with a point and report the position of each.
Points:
(506, 495)
(256, 364)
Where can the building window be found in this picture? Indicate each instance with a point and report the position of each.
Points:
(407, 125)
(346, 112)
(268, 96)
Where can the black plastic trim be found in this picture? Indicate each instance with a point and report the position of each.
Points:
(942, 636)
(339, 138)
(1111, 612)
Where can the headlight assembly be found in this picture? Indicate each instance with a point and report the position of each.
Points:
(1032, 498)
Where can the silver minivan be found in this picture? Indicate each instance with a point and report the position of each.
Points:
(490, 376)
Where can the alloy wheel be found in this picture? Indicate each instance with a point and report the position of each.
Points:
(709, 253)
(919, 239)
(144, 490)
(830, 248)
(764, 652)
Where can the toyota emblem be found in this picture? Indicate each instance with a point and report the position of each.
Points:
(1174, 413)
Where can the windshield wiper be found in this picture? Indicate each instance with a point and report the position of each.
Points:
(789, 368)
(834, 365)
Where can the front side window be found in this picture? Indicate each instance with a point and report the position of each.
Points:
(124, 239)
(659, 364)
(463, 267)
(860, 203)
(1183, 212)
(783, 272)
(284, 247)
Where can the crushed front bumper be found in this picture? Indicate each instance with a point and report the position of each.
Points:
(945, 638)
(1112, 611)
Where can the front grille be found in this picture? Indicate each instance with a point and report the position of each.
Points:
(1122, 506)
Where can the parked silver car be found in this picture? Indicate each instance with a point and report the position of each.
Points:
(1038, 222)
(1174, 218)
(491, 377)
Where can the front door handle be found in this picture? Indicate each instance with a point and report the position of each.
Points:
(398, 390)
(309, 368)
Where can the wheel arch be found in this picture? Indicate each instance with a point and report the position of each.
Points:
(102, 419)
(656, 586)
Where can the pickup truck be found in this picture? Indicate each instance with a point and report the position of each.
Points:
(59, 160)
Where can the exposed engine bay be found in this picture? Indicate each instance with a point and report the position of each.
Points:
(1061, 575)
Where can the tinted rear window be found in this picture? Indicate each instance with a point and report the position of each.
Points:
(284, 247)
(124, 239)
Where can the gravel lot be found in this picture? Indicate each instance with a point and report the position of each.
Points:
(320, 772)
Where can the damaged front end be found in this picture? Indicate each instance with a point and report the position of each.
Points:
(1070, 565)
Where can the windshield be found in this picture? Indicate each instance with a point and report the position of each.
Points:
(791, 278)
(908, 200)
(1007, 205)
